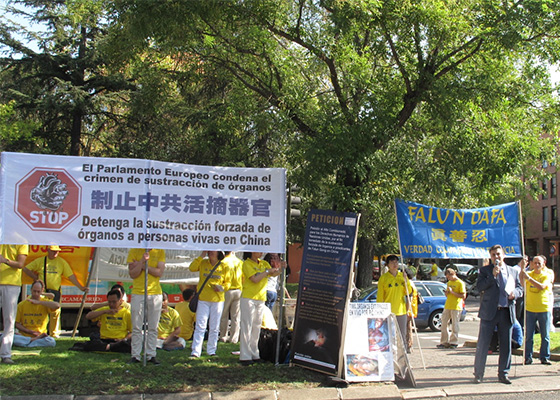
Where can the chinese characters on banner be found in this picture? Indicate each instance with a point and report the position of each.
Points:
(324, 286)
(368, 354)
(429, 232)
(108, 202)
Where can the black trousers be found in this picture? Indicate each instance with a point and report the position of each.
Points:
(122, 346)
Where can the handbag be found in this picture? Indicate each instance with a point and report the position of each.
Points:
(193, 303)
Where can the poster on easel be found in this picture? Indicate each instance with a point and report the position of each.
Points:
(324, 290)
(368, 355)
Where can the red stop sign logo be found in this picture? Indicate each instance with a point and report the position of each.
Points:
(48, 199)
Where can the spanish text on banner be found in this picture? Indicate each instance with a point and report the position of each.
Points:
(109, 202)
(430, 232)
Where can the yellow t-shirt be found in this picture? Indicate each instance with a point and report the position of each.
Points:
(221, 276)
(188, 319)
(115, 326)
(413, 310)
(8, 275)
(236, 271)
(454, 302)
(168, 322)
(56, 269)
(538, 300)
(434, 271)
(33, 316)
(252, 290)
(390, 289)
(156, 256)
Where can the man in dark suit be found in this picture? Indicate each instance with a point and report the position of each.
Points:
(499, 286)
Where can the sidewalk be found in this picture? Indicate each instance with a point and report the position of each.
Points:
(449, 372)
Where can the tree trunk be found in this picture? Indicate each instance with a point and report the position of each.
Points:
(76, 134)
(365, 263)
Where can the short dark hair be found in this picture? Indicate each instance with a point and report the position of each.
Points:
(165, 296)
(495, 247)
(247, 255)
(114, 292)
(118, 286)
(390, 258)
(188, 294)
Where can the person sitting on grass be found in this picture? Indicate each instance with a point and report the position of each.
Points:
(116, 326)
(169, 327)
(32, 319)
(188, 318)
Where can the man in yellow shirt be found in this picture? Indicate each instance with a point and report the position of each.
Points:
(12, 259)
(391, 289)
(537, 284)
(434, 272)
(169, 327)
(32, 319)
(116, 326)
(455, 293)
(139, 261)
(188, 318)
(55, 267)
(232, 300)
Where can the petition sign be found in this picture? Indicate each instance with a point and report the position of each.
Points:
(109, 202)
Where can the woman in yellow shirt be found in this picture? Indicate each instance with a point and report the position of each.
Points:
(253, 296)
(210, 300)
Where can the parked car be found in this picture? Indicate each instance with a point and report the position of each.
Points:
(461, 269)
(425, 273)
(429, 313)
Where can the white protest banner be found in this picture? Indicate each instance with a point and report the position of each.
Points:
(109, 202)
(112, 266)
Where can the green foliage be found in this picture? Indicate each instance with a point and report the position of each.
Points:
(443, 103)
(14, 134)
(64, 87)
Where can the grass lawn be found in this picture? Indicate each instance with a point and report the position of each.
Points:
(60, 371)
(554, 342)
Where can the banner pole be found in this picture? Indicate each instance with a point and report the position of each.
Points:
(283, 277)
(409, 304)
(521, 236)
(145, 313)
(93, 268)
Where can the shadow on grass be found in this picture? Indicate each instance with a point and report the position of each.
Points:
(61, 371)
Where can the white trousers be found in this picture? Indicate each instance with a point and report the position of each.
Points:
(9, 295)
(251, 320)
(231, 311)
(153, 311)
(208, 313)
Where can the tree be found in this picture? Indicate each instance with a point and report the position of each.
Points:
(64, 87)
(437, 102)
